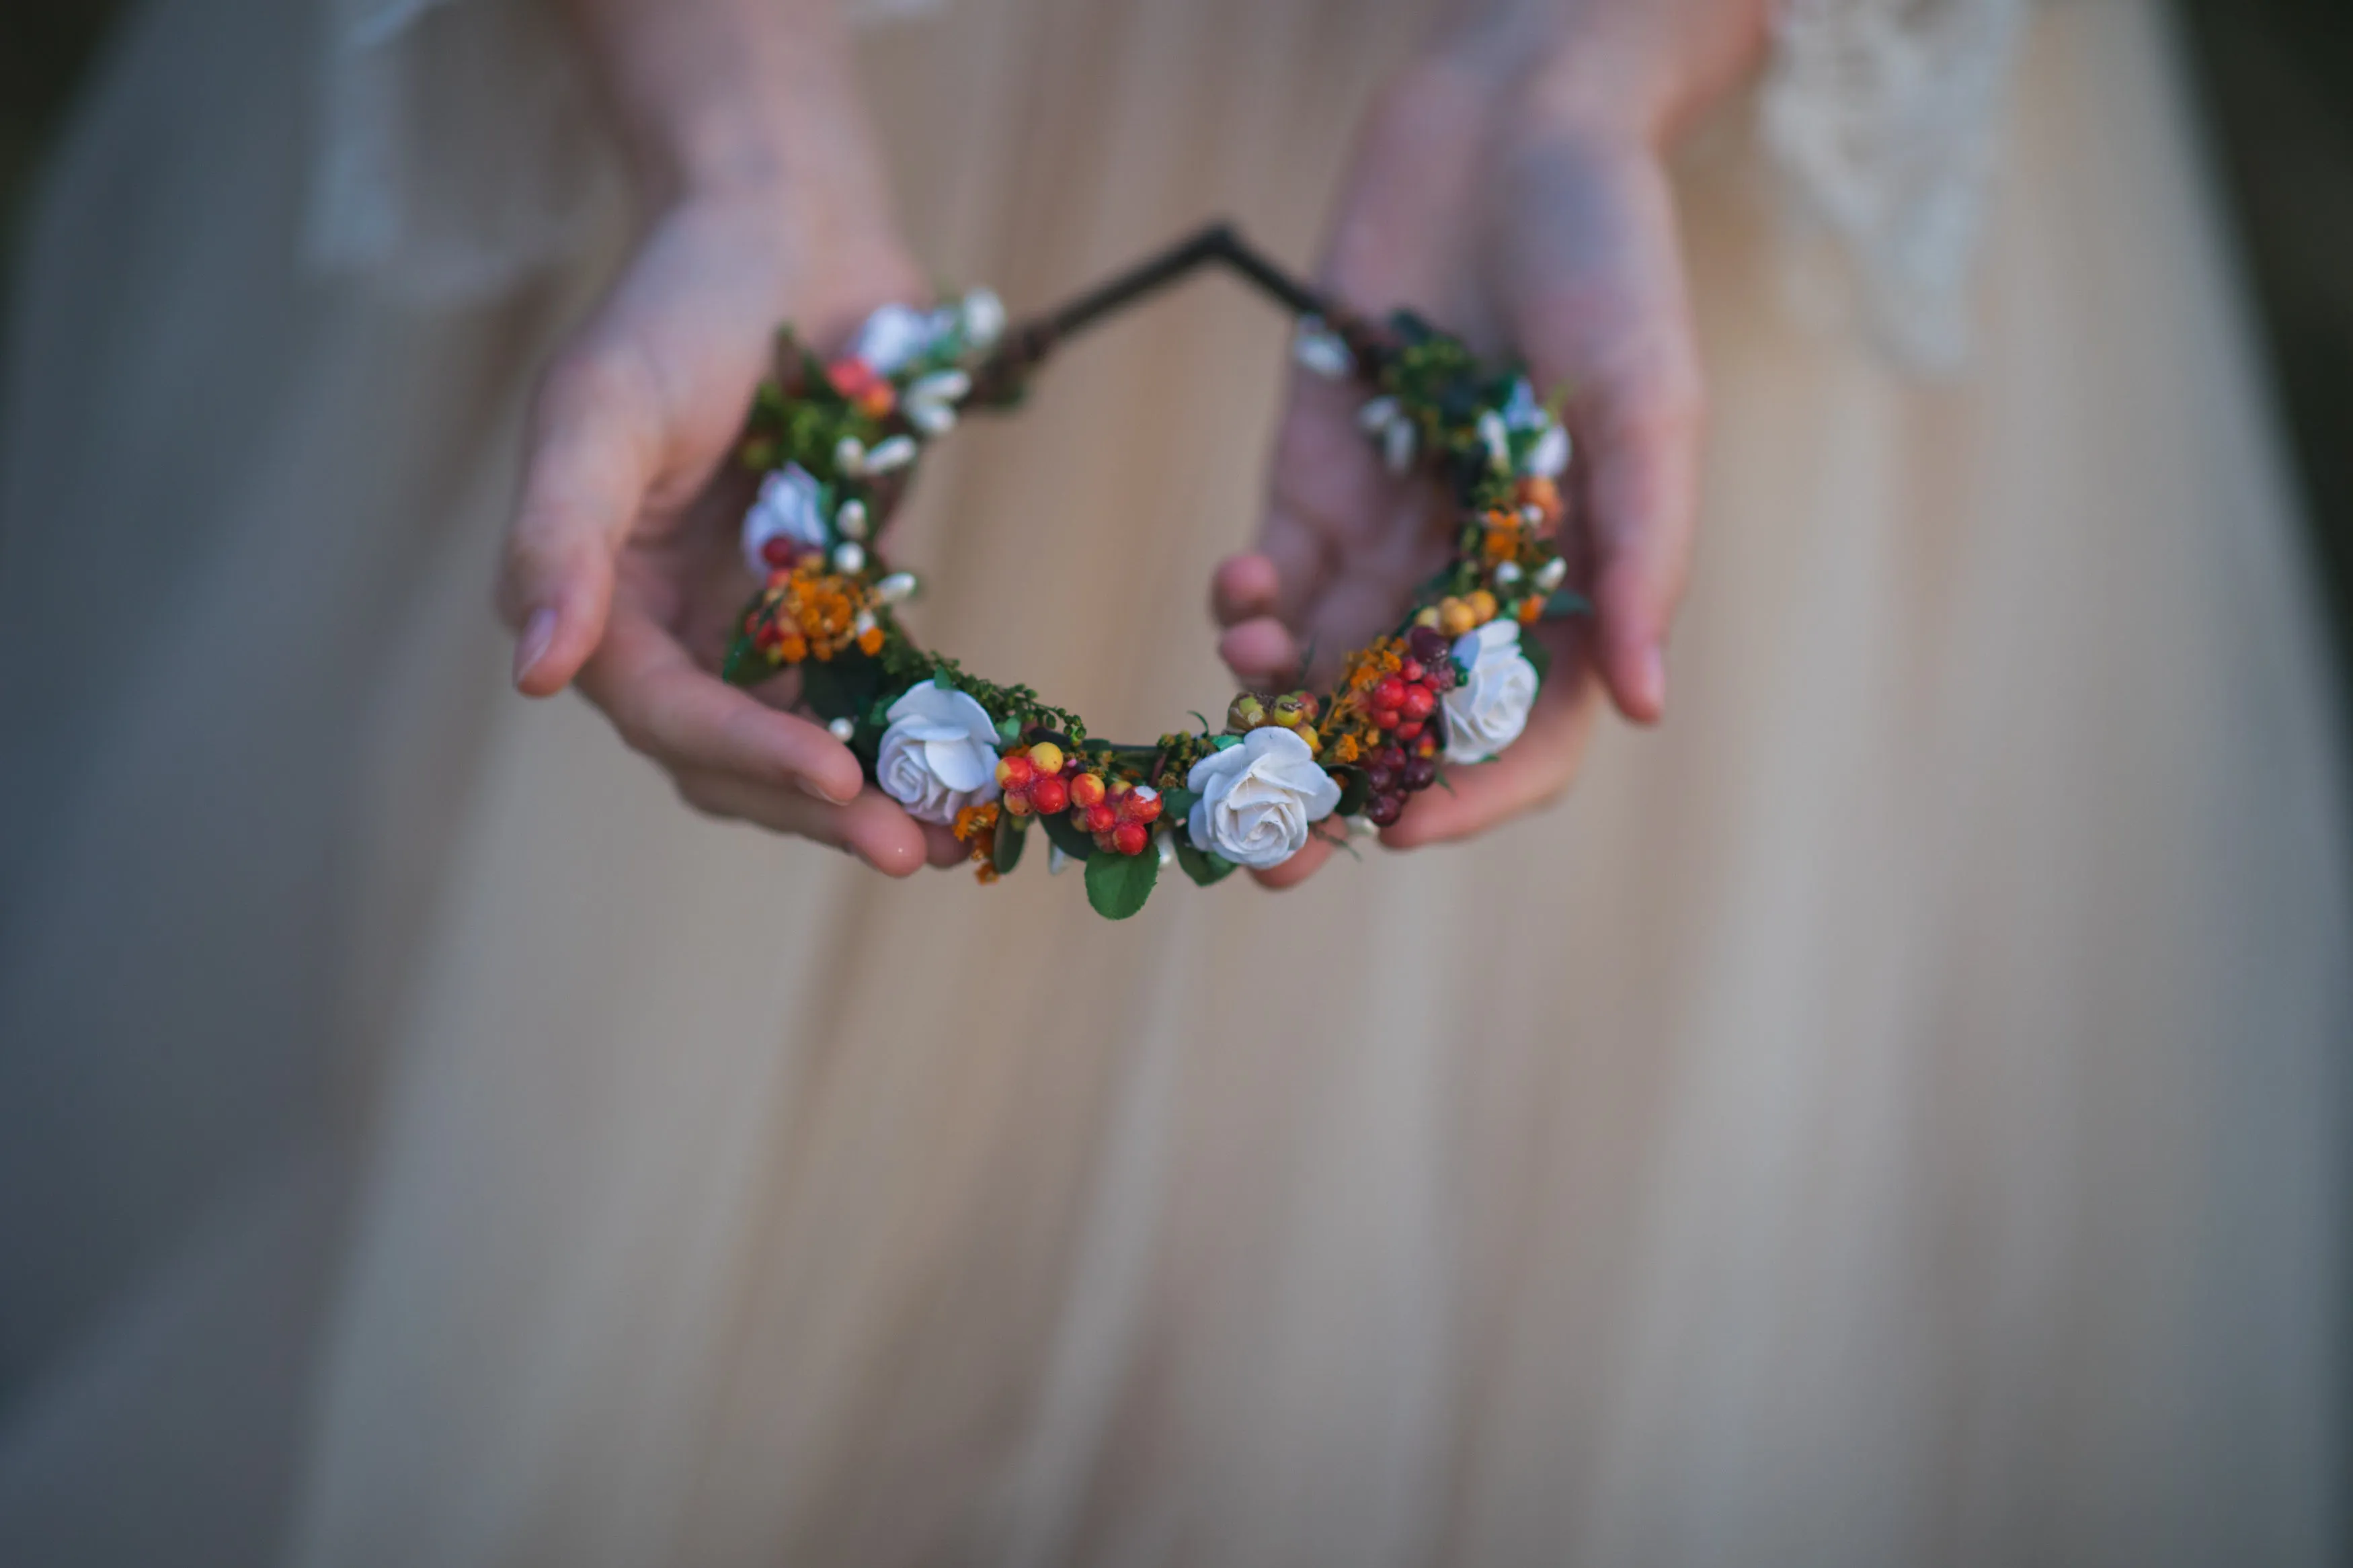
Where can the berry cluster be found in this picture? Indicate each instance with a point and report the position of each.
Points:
(1042, 780)
(805, 612)
(1402, 707)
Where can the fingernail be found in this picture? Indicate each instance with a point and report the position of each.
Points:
(817, 792)
(537, 633)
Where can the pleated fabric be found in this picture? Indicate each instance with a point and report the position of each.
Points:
(1894, 1114)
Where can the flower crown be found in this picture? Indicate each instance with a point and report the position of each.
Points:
(837, 443)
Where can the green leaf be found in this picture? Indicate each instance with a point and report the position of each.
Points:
(1177, 803)
(1565, 602)
(1068, 836)
(1012, 833)
(1354, 793)
(1117, 885)
(1532, 649)
(1203, 867)
(840, 687)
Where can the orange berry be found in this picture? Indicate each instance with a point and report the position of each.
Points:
(1531, 609)
(870, 641)
(1049, 795)
(1086, 789)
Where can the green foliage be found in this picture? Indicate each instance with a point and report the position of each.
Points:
(1532, 649)
(1117, 885)
(1012, 834)
(1068, 836)
(1204, 867)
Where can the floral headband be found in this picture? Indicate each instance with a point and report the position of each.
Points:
(1453, 683)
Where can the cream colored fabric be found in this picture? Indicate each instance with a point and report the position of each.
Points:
(1892, 1115)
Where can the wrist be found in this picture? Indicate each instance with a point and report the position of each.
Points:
(1631, 73)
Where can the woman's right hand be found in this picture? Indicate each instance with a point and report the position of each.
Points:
(623, 574)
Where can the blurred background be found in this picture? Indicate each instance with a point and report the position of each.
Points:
(2276, 76)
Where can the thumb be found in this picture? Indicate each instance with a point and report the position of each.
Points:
(596, 432)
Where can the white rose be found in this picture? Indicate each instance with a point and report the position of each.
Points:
(1258, 798)
(1487, 711)
(787, 509)
(939, 756)
(891, 337)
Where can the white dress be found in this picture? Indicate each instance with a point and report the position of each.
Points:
(1894, 1114)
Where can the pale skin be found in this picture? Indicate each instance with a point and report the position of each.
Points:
(1510, 185)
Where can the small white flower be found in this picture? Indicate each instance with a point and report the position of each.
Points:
(939, 754)
(849, 518)
(850, 455)
(984, 319)
(894, 453)
(842, 729)
(1496, 438)
(849, 558)
(897, 588)
(1488, 708)
(931, 402)
(1521, 410)
(1167, 843)
(1056, 862)
(1377, 416)
(1549, 456)
(1257, 799)
(787, 507)
(861, 623)
(1319, 348)
(1397, 445)
(892, 337)
(1550, 575)
(1507, 572)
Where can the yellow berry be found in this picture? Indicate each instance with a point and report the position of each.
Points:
(1483, 606)
(1455, 617)
(1046, 757)
(1307, 733)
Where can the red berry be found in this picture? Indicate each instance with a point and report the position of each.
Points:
(1389, 693)
(1015, 773)
(1386, 718)
(1130, 838)
(1419, 700)
(1385, 809)
(1140, 806)
(1049, 796)
(1420, 772)
(1412, 671)
(1429, 645)
(777, 552)
(1411, 729)
(1016, 803)
(1086, 789)
(1100, 817)
(1392, 757)
(1380, 780)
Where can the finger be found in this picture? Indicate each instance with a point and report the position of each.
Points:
(1641, 502)
(872, 828)
(672, 710)
(1298, 868)
(942, 846)
(1244, 587)
(1260, 653)
(595, 434)
(1534, 771)
(1600, 303)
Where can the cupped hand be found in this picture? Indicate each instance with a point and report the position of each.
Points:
(1511, 187)
(623, 573)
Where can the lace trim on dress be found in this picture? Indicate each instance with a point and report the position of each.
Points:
(1881, 119)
